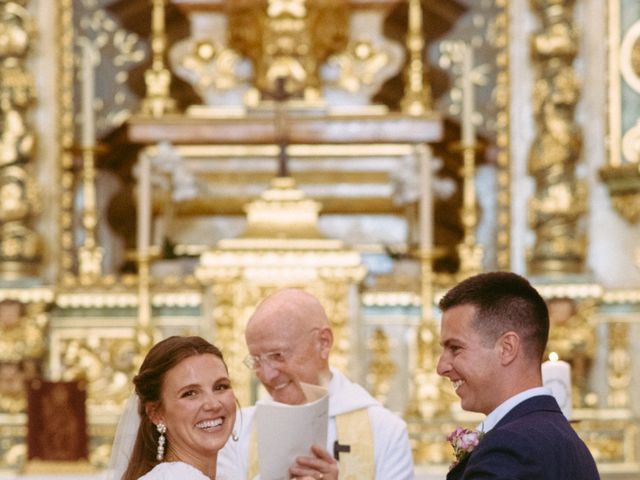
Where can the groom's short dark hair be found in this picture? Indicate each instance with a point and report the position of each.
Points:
(505, 302)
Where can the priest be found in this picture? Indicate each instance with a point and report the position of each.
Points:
(289, 341)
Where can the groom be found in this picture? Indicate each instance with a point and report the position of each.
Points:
(494, 332)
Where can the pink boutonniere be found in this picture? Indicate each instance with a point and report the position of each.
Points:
(463, 442)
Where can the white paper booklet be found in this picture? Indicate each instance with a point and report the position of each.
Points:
(286, 432)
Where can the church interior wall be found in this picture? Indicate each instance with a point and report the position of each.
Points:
(384, 308)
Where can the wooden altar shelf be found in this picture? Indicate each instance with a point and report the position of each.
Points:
(301, 129)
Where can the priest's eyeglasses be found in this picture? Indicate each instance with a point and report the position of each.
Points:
(273, 359)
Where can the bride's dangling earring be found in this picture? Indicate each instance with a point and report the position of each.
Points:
(234, 436)
(162, 429)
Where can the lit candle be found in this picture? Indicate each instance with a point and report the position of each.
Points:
(426, 201)
(88, 94)
(556, 375)
(144, 205)
(468, 98)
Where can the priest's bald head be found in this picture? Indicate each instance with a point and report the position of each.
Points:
(289, 340)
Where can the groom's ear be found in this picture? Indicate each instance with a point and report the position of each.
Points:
(509, 347)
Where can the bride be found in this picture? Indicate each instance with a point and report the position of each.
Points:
(186, 410)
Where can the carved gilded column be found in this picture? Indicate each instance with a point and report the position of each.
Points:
(559, 200)
(19, 244)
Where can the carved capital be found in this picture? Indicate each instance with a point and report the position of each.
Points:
(623, 182)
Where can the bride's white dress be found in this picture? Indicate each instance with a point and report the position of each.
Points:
(173, 471)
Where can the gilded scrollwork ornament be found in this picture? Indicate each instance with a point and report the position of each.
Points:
(22, 347)
(16, 143)
(356, 72)
(216, 72)
(292, 40)
(359, 65)
(17, 194)
(107, 364)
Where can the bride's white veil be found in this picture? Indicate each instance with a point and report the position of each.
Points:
(124, 439)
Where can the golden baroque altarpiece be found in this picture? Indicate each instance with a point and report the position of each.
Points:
(246, 121)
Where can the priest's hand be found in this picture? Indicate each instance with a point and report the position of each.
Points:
(319, 466)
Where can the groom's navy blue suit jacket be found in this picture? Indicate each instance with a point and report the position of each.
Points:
(534, 441)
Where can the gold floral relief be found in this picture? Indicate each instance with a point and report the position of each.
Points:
(211, 64)
(287, 40)
(107, 365)
(361, 62)
(22, 350)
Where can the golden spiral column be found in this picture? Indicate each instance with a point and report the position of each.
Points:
(20, 249)
(559, 201)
